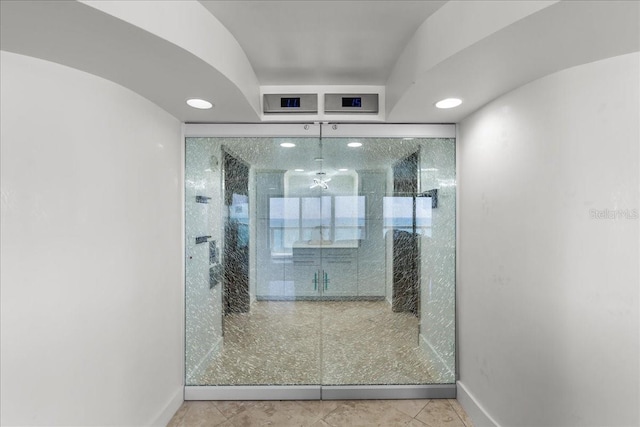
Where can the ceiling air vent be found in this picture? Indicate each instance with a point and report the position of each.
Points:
(306, 103)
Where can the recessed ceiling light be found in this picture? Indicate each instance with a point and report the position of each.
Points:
(354, 144)
(448, 103)
(199, 103)
(287, 145)
(299, 170)
(343, 170)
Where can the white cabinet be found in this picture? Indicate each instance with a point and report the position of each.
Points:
(324, 273)
(339, 272)
(306, 273)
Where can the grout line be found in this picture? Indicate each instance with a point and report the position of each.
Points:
(458, 413)
(329, 413)
(426, 402)
(453, 409)
(421, 423)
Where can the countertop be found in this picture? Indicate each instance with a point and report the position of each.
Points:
(325, 244)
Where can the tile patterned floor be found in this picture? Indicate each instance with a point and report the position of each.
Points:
(322, 413)
(346, 342)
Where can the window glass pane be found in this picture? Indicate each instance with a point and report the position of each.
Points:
(349, 217)
(284, 221)
(398, 213)
(291, 221)
(423, 216)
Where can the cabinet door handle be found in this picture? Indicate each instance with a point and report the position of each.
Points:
(326, 281)
(315, 281)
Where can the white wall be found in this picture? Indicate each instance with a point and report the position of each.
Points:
(91, 248)
(547, 294)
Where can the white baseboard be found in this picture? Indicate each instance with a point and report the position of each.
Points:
(204, 362)
(479, 416)
(170, 409)
(439, 363)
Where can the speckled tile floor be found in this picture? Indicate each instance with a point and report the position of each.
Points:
(322, 413)
(312, 342)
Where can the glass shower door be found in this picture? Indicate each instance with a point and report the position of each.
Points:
(248, 321)
(347, 248)
(388, 315)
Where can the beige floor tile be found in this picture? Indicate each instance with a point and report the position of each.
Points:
(230, 408)
(177, 417)
(439, 413)
(320, 408)
(460, 411)
(367, 413)
(322, 413)
(409, 407)
(274, 413)
(202, 413)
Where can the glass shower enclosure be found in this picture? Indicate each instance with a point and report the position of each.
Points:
(320, 261)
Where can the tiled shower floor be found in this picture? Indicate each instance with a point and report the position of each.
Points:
(320, 342)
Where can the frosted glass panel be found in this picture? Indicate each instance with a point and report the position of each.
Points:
(347, 258)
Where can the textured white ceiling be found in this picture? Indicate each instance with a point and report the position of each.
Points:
(322, 42)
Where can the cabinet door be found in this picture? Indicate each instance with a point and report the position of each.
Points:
(306, 274)
(306, 280)
(339, 272)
